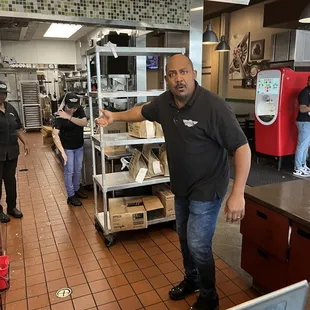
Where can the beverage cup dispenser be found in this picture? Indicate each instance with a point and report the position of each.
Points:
(276, 109)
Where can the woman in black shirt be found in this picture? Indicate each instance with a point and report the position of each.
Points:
(10, 131)
(68, 134)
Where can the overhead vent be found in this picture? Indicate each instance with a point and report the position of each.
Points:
(292, 49)
(12, 23)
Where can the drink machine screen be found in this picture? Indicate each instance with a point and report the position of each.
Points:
(268, 86)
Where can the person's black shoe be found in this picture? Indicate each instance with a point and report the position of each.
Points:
(4, 218)
(205, 304)
(74, 201)
(15, 213)
(81, 194)
(184, 289)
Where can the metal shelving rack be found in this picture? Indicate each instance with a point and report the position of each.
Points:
(31, 107)
(119, 180)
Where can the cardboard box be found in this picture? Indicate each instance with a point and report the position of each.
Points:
(47, 135)
(152, 203)
(48, 140)
(116, 127)
(115, 149)
(145, 129)
(166, 197)
(127, 214)
(47, 131)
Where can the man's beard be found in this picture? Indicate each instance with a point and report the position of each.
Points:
(181, 98)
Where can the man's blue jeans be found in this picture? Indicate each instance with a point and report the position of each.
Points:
(196, 221)
(73, 170)
(303, 144)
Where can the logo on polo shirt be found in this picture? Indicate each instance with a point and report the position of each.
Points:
(189, 123)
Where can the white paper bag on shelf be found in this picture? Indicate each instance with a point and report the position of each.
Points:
(137, 167)
(153, 163)
(163, 160)
(145, 129)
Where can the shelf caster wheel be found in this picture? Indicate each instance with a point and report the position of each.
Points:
(24, 131)
(98, 228)
(109, 241)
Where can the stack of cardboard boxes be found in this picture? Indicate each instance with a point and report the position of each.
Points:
(130, 213)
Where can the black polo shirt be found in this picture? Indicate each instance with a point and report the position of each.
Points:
(304, 99)
(70, 134)
(9, 125)
(197, 137)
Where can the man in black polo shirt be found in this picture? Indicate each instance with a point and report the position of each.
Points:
(303, 124)
(68, 134)
(199, 129)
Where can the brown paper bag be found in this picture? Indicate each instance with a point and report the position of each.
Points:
(158, 130)
(153, 163)
(137, 167)
(163, 159)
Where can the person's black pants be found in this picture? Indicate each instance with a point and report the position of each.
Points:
(7, 174)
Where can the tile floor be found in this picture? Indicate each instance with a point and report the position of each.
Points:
(56, 246)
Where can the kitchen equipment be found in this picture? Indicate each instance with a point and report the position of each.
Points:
(276, 109)
(31, 108)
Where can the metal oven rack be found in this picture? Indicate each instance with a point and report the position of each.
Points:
(119, 180)
(31, 108)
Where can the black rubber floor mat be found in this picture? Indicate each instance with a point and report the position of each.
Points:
(261, 174)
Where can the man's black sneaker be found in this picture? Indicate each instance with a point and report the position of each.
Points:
(15, 213)
(81, 194)
(205, 304)
(74, 201)
(3, 217)
(184, 289)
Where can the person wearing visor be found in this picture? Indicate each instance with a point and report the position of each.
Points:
(68, 138)
(10, 132)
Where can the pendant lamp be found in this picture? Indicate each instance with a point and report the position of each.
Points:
(223, 46)
(209, 36)
(305, 15)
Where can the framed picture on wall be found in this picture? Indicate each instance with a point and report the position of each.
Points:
(257, 50)
(239, 56)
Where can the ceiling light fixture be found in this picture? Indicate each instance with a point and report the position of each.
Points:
(223, 46)
(209, 36)
(305, 15)
(63, 31)
(198, 8)
(242, 2)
